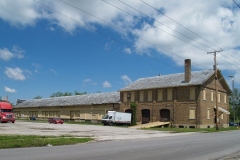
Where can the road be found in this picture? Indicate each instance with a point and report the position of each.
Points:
(197, 146)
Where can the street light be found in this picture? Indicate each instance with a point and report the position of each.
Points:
(231, 76)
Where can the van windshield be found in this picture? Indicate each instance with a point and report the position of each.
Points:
(6, 110)
(105, 117)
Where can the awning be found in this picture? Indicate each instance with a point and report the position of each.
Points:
(222, 110)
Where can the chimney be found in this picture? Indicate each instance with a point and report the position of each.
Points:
(187, 70)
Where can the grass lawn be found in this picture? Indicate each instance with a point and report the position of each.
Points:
(18, 141)
(179, 130)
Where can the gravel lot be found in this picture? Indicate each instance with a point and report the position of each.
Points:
(100, 133)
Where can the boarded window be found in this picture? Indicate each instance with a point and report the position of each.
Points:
(204, 95)
(169, 94)
(192, 113)
(225, 98)
(141, 96)
(149, 95)
(219, 97)
(132, 96)
(124, 97)
(208, 113)
(192, 94)
(222, 116)
(212, 96)
(160, 95)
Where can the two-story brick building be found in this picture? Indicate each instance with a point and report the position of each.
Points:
(185, 99)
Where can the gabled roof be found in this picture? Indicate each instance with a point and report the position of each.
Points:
(172, 80)
(87, 99)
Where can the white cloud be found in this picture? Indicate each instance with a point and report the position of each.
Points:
(88, 82)
(219, 25)
(106, 84)
(37, 67)
(53, 71)
(126, 79)
(5, 54)
(15, 73)
(9, 90)
(18, 12)
(18, 52)
(127, 50)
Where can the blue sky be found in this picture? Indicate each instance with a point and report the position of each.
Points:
(102, 46)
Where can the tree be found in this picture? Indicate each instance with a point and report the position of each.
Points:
(79, 93)
(234, 105)
(38, 97)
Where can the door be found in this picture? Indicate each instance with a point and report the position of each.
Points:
(145, 116)
(164, 115)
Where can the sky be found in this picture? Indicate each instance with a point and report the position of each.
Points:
(103, 45)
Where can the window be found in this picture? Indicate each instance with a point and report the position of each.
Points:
(192, 93)
(212, 96)
(225, 98)
(141, 96)
(149, 95)
(160, 95)
(169, 94)
(132, 96)
(222, 116)
(124, 97)
(204, 95)
(219, 97)
(192, 112)
(208, 113)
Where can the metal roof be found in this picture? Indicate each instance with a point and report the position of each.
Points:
(172, 80)
(87, 99)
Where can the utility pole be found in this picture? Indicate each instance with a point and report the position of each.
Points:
(216, 87)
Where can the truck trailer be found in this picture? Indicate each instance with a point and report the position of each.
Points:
(114, 117)
(6, 112)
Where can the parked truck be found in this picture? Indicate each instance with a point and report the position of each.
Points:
(6, 112)
(114, 117)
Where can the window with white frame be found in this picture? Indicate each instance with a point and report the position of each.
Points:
(208, 113)
(225, 98)
(204, 95)
(222, 116)
(212, 96)
(160, 95)
(219, 97)
(192, 113)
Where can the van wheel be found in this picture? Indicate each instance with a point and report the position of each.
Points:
(0, 120)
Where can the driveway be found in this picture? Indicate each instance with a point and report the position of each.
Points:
(100, 133)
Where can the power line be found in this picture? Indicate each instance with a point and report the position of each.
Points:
(171, 29)
(109, 36)
(189, 29)
(179, 32)
(125, 30)
(103, 34)
(236, 4)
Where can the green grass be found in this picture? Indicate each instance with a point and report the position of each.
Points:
(182, 130)
(18, 141)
